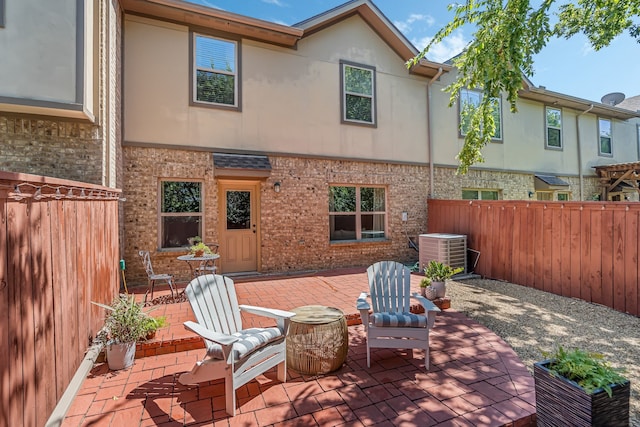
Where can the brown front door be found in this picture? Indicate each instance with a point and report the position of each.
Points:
(239, 225)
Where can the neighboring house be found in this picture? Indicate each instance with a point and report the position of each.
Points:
(298, 147)
(60, 89)
(546, 151)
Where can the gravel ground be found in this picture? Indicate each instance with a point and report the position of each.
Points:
(532, 321)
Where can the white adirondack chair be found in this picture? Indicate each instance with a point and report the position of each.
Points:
(391, 324)
(235, 354)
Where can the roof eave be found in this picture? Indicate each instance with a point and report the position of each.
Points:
(579, 104)
(194, 14)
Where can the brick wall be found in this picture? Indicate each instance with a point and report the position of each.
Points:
(51, 147)
(513, 185)
(294, 222)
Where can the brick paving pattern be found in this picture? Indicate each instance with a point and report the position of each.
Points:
(475, 378)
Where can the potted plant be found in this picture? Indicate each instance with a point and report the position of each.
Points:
(200, 249)
(575, 387)
(427, 291)
(152, 324)
(124, 325)
(438, 273)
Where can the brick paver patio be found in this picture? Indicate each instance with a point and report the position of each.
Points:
(475, 378)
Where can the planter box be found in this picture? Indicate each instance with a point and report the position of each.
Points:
(561, 402)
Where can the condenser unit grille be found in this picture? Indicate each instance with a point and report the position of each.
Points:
(450, 249)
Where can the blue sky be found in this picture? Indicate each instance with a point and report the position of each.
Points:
(566, 66)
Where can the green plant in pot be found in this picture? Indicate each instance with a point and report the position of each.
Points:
(428, 291)
(200, 249)
(125, 324)
(576, 387)
(438, 273)
(152, 324)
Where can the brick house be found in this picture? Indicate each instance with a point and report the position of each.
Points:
(297, 148)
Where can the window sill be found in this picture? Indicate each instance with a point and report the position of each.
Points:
(358, 242)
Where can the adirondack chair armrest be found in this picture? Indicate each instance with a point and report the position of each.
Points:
(428, 306)
(273, 313)
(210, 335)
(361, 302)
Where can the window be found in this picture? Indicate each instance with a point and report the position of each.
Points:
(215, 76)
(554, 127)
(605, 145)
(563, 197)
(357, 213)
(544, 195)
(358, 93)
(472, 98)
(1, 13)
(180, 212)
(470, 194)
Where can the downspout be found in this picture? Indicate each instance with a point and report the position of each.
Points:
(580, 151)
(429, 140)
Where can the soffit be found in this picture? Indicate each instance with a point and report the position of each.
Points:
(215, 19)
(560, 100)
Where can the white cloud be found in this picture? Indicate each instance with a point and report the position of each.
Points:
(447, 49)
(276, 2)
(406, 25)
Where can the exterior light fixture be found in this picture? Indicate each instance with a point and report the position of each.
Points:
(530, 194)
(276, 186)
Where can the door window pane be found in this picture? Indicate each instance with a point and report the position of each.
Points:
(238, 210)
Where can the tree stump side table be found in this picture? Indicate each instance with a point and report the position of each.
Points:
(318, 341)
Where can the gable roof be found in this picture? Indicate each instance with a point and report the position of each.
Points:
(381, 25)
(194, 14)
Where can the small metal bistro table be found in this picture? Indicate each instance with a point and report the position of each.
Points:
(195, 261)
(318, 341)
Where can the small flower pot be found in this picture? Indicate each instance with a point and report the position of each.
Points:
(429, 293)
(440, 289)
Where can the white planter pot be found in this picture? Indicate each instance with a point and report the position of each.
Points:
(441, 289)
(121, 356)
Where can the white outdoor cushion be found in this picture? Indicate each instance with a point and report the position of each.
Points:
(250, 340)
(409, 320)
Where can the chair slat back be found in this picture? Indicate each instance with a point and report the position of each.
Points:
(146, 261)
(214, 302)
(389, 286)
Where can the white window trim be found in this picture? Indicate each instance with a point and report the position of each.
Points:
(196, 68)
(461, 133)
(600, 152)
(162, 215)
(547, 127)
(358, 213)
(344, 93)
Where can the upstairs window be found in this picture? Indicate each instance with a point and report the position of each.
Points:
(358, 93)
(357, 213)
(471, 98)
(180, 212)
(554, 127)
(215, 75)
(605, 143)
(2, 13)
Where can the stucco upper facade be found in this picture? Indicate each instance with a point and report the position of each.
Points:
(523, 145)
(51, 59)
(290, 98)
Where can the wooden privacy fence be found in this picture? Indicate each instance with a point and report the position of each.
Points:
(58, 252)
(586, 250)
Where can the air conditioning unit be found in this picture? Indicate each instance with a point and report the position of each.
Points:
(449, 249)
